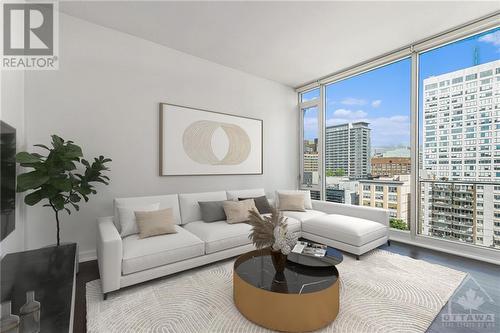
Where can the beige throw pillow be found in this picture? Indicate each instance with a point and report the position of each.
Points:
(126, 216)
(306, 193)
(293, 202)
(155, 223)
(238, 211)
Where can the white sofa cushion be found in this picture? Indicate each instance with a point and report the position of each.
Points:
(307, 197)
(351, 230)
(166, 201)
(141, 254)
(252, 193)
(293, 224)
(220, 235)
(303, 216)
(190, 209)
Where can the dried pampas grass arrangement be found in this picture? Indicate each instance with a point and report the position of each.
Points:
(271, 231)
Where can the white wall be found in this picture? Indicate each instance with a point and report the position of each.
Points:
(12, 112)
(105, 97)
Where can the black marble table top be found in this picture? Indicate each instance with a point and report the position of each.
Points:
(256, 268)
(50, 273)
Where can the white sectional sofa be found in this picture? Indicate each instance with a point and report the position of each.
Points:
(131, 260)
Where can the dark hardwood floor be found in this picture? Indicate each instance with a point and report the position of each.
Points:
(88, 271)
(483, 280)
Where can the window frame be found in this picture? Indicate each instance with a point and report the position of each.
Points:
(318, 103)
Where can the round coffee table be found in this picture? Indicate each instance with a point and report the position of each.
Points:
(303, 298)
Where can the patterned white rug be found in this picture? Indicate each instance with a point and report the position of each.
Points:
(383, 292)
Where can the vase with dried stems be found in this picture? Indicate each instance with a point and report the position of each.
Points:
(272, 232)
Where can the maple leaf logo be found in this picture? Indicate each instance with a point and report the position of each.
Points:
(471, 301)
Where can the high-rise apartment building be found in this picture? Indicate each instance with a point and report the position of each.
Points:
(311, 146)
(311, 162)
(311, 169)
(461, 161)
(348, 149)
(461, 211)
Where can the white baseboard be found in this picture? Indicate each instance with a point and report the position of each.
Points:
(87, 256)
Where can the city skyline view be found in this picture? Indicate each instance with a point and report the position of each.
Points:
(459, 178)
(381, 96)
(475, 50)
(367, 141)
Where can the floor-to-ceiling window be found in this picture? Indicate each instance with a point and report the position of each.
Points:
(416, 133)
(367, 140)
(459, 139)
(310, 104)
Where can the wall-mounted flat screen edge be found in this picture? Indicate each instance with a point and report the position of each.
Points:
(7, 179)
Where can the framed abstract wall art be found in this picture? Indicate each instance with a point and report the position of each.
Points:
(201, 142)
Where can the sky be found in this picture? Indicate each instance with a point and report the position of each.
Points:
(381, 97)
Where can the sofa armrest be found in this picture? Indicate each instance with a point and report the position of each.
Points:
(109, 254)
(369, 213)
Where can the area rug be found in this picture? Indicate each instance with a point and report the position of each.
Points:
(382, 292)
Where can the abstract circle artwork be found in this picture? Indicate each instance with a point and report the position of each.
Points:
(198, 143)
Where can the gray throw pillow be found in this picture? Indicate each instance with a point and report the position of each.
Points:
(212, 211)
(261, 203)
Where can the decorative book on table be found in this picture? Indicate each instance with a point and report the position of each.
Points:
(310, 249)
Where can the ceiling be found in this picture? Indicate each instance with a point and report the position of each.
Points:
(288, 42)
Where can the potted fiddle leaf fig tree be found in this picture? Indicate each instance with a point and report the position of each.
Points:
(61, 178)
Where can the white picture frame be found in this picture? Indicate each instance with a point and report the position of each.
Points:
(198, 142)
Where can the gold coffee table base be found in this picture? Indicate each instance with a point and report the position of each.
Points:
(285, 312)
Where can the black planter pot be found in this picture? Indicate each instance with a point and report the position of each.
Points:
(56, 260)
